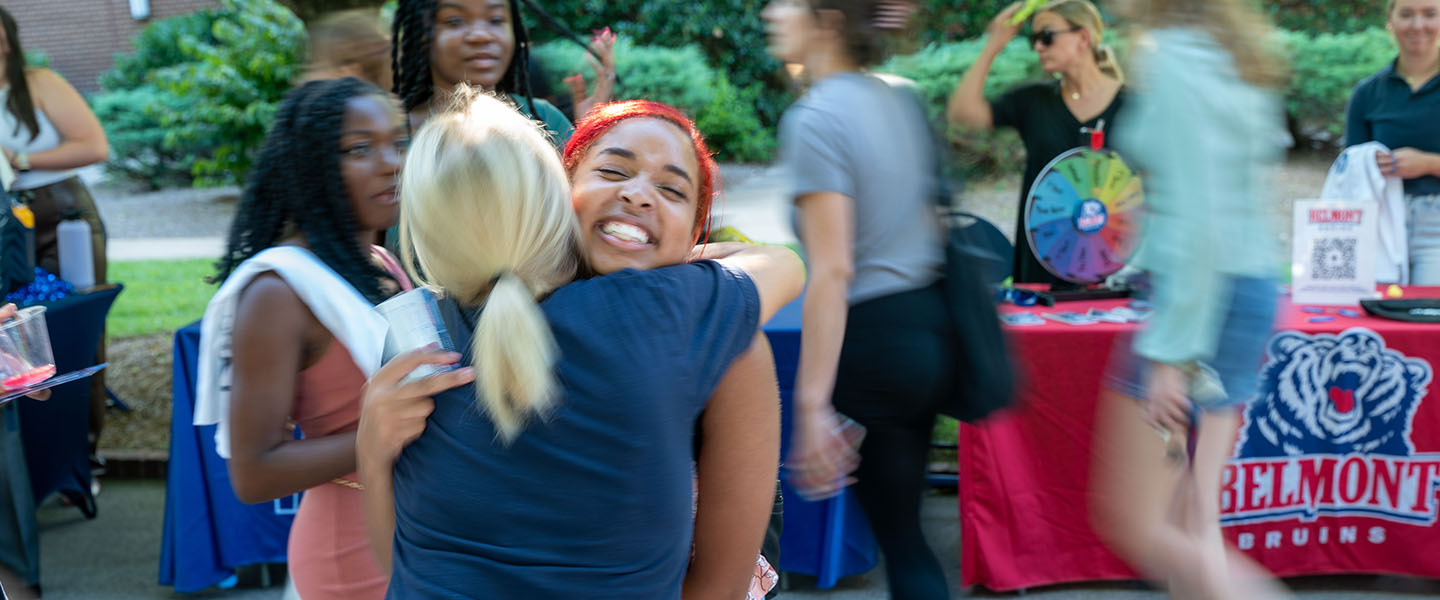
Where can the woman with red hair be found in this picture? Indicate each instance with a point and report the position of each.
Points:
(643, 182)
(737, 439)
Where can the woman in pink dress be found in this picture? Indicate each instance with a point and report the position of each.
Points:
(298, 353)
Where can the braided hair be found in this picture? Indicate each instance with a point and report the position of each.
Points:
(412, 33)
(296, 187)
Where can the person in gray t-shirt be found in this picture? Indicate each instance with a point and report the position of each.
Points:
(857, 135)
(876, 338)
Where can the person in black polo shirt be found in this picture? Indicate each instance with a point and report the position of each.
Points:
(1400, 107)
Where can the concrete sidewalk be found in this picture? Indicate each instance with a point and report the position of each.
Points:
(116, 557)
(165, 248)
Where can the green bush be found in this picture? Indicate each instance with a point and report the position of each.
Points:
(937, 68)
(191, 105)
(1326, 16)
(948, 20)
(130, 104)
(236, 79)
(682, 78)
(728, 33)
(137, 138)
(157, 46)
(1326, 68)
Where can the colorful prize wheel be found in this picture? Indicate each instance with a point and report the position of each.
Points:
(1084, 214)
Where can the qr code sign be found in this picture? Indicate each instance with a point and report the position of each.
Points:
(1333, 258)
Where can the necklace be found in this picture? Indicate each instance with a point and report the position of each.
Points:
(1074, 94)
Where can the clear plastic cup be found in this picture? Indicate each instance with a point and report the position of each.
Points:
(415, 322)
(25, 355)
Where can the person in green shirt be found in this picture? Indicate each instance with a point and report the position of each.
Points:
(440, 44)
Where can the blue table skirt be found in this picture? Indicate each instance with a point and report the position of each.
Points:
(44, 446)
(829, 539)
(208, 532)
(56, 432)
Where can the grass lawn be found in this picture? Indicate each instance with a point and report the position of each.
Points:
(159, 296)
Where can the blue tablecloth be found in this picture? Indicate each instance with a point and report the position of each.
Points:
(208, 532)
(45, 445)
(829, 539)
(57, 432)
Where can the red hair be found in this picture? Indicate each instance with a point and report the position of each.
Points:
(602, 118)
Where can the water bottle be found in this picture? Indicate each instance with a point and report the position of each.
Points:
(77, 262)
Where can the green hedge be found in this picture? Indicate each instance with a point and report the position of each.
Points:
(130, 104)
(1326, 68)
(193, 102)
(137, 137)
(948, 20)
(680, 77)
(1326, 16)
(728, 33)
(937, 68)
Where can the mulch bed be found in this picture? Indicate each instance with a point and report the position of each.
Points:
(139, 373)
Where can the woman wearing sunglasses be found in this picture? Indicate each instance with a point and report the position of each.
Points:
(1049, 115)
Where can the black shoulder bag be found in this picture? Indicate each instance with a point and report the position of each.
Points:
(985, 378)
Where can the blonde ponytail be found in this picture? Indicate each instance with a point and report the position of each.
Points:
(513, 352)
(1105, 57)
(485, 214)
(1082, 13)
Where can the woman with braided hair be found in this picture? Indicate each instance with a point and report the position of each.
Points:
(290, 337)
(440, 44)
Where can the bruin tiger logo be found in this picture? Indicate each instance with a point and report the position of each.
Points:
(1330, 434)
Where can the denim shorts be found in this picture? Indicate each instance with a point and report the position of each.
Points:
(1234, 371)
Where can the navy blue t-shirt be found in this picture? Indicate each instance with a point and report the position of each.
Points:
(595, 501)
(1384, 109)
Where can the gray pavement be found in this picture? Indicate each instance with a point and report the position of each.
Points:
(116, 557)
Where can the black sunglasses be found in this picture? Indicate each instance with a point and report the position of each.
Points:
(1045, 37)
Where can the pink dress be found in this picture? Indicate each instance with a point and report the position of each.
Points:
(329, 548)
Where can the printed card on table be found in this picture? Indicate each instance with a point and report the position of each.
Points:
(1333, 257)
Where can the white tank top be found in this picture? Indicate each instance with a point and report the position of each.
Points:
(18, 139)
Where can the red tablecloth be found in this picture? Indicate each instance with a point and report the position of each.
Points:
(1340, 417)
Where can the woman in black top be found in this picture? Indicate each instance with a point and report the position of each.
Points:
(1049, 115)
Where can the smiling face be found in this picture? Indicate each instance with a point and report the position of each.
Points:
(372, 147)
(636, 195)
(1068, 44)
(473, 43)
(1415, 24)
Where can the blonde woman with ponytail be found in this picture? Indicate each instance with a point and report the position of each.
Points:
(1068, 36)
(1205, 124)
(529, 251)
(564, 471)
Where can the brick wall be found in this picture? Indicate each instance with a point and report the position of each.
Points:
(81, 37)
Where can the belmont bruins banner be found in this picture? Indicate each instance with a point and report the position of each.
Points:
(1325, 460)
